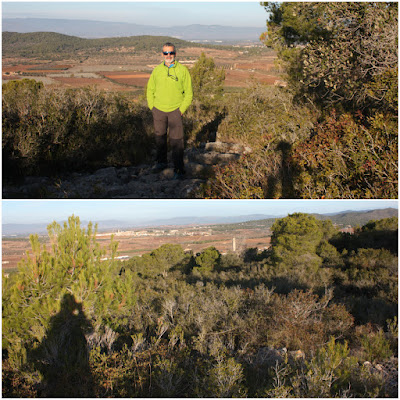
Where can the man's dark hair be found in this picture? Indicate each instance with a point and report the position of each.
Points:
(168, 44)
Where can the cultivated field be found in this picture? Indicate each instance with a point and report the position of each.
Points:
(144, 241)
(129, 72)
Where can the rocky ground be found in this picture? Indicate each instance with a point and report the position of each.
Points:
(138, 182)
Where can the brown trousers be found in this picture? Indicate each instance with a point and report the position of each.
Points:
(171, 122)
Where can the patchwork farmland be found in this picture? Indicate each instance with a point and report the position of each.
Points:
(141, 241)
(128, 72)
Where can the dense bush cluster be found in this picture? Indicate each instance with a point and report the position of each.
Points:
(207, 109)
(340, 62)
(176, 324)
(47, 131)
(348, 157)
(268, 120)
(342, 54)
(298, 153)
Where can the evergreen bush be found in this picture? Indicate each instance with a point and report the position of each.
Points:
(49, 131)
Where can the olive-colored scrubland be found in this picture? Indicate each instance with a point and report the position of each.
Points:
(313, 316)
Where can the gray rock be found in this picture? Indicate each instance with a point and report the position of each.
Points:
(194, 169)
(137, 182)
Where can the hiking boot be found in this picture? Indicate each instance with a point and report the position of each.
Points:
(178, 176)
(159, 167)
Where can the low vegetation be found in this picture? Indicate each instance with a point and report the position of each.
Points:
(48, 131)
(333, 131)
(313, 316)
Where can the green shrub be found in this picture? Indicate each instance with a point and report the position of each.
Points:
(328, 372)
(252, 118)
(207, 109)
(353, 154)
(296, 240)
(303, 321)
(49, 131)
(380, 234)
(373, 259)
(329, 254)
(52, 288)
(225, 379)
(348, 158)
(326, 62)
(376, 345)
(168, 255)
(343, 156)
(207, 260)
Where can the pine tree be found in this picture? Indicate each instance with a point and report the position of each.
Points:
(296, 239)
(75, 265)
(207, 80)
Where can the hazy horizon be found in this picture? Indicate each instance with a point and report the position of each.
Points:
(162, 14)
(141, 211)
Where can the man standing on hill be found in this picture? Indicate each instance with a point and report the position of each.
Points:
(169, 94)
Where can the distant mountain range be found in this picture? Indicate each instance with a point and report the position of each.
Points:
(352, 218)
(360, 218)
(107, 225)
(100, 29)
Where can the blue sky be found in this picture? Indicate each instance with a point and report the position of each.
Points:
(46, 211)
(164, 14)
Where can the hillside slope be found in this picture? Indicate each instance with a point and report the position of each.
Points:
(352, 218)
(41, 44)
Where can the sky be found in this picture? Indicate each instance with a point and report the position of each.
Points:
(163, 14)
(47, 211)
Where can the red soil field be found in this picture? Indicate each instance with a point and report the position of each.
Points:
(128, 78)
(235, 78)
(196, 51)
(15, 250)
(19, 67)
(36, 68)
(261, 66)
(101, 83)
(240, 68)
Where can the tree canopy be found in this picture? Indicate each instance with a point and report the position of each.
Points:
(296, 238)
(338, 52)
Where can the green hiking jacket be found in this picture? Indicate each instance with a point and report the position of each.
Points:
(167, 93)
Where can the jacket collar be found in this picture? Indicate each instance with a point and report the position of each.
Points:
(173, 65)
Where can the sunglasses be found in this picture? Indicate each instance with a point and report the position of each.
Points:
(169, 52)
